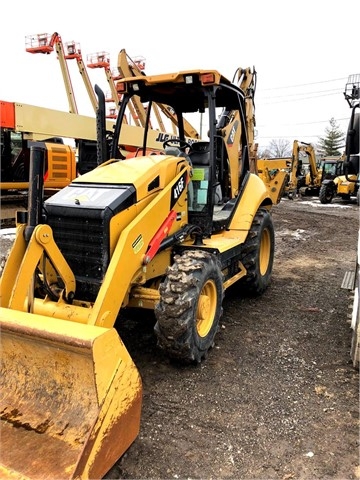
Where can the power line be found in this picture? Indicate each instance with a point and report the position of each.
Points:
(272, 137)
(299, 99)
(305, 123)
(344, 79)
(329, 92)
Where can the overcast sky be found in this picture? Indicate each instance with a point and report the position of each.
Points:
(303, 52)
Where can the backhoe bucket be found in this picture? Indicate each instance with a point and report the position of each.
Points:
(70, 398)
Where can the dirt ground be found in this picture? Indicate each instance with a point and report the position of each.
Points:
(278, 396)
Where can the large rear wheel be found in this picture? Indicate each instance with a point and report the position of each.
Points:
(190, 306)
(258, 254)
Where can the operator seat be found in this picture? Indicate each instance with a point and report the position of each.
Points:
(200, 153)
(200, 157)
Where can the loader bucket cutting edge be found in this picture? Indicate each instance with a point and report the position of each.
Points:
(70, 398)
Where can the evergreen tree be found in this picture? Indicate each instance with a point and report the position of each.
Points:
(333, 142)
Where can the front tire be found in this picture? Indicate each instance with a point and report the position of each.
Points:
(326, 194)
(258, 254)
(190, 306)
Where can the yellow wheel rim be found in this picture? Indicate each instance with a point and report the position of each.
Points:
(265, 252)
(206, 308)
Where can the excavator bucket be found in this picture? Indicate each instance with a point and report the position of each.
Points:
(70, 398)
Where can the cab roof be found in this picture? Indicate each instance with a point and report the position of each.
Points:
(185, 90)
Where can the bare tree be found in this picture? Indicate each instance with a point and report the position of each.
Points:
(277, 148)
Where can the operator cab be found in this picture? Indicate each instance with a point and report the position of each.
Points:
(219, 166)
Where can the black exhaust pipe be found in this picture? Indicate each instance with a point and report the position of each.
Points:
(36, 188)
(102, 154)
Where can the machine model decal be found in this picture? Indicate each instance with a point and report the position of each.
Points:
(177, 189)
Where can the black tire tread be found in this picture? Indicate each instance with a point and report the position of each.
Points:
(254, 284)
(179, 294)
(325, 194)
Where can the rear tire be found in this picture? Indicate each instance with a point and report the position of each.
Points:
(326, 194)
(258, 254)
(190, 306)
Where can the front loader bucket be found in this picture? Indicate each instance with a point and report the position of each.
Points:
(70, 398)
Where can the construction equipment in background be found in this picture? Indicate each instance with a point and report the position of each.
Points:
(45, 43)
(319, 174)
(293, 170)
(128, 67)
(74, 52)
(336, 184)
(351, 169)
(168, 232)
(132, 68)
(308, 183)
(22, 125)
(102, 60)
(344, 180)
(275, 173)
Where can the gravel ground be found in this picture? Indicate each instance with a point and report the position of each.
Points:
(277, 397)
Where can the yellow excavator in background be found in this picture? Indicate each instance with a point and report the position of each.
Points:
(289, 170)
(309, 183)
(319, 174)
(168, 231)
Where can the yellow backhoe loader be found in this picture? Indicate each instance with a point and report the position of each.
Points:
(275, 173)
(169, 231)
(272, 170)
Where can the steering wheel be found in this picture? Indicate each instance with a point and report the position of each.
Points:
(177, 143)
